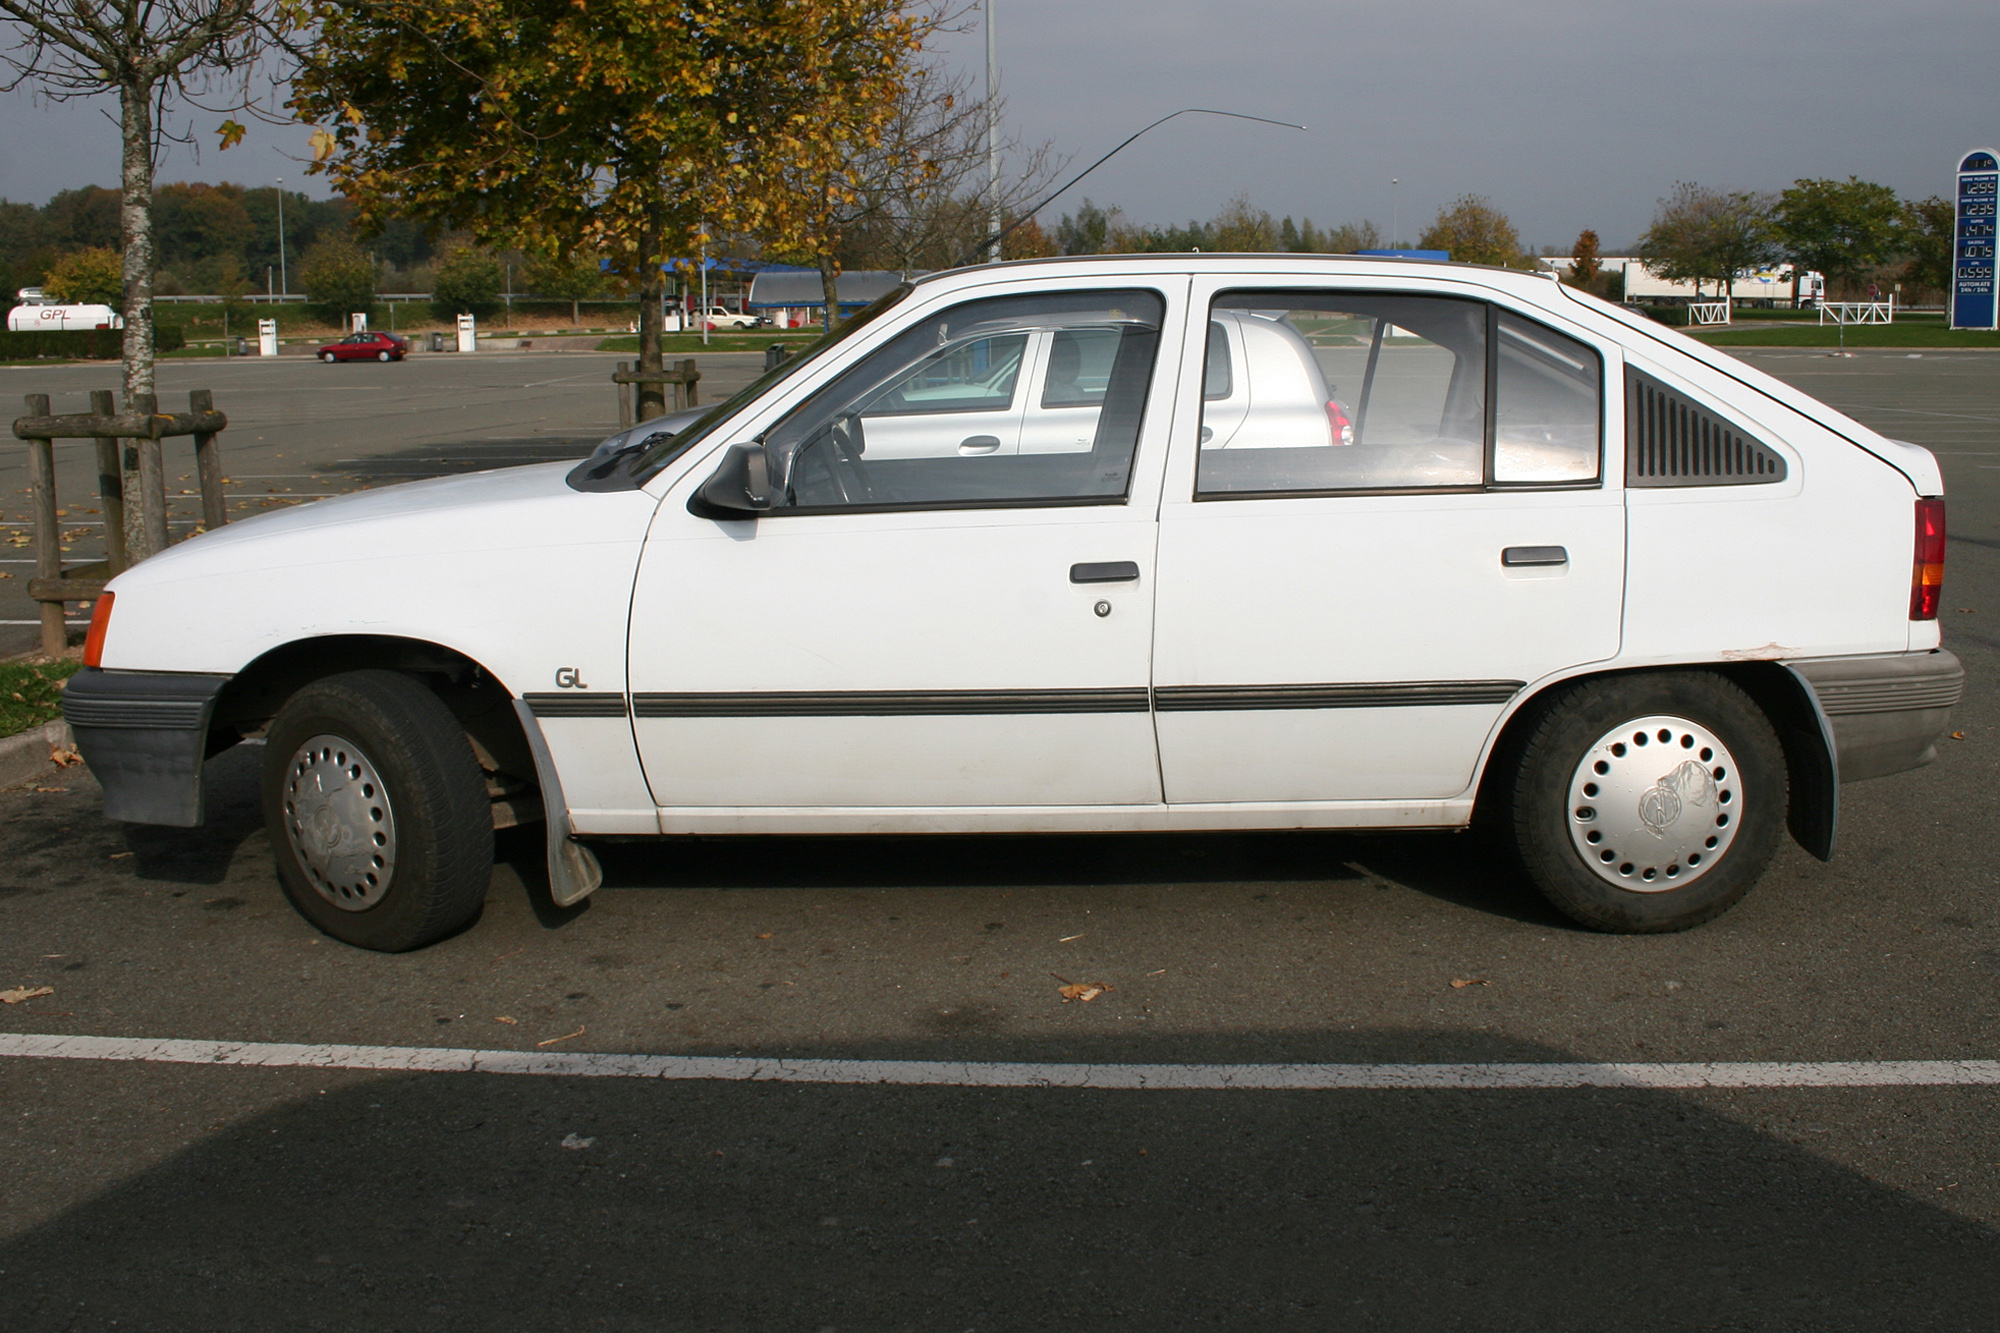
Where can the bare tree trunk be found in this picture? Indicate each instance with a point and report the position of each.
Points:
(145, 524)
(829, 288)
(651, 398)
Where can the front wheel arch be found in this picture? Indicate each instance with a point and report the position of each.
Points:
(479, 699)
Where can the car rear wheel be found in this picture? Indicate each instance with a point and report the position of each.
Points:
(326, 357)
(377, 811)
(1648, 803)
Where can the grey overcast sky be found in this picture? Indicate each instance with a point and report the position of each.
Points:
(1566, 114)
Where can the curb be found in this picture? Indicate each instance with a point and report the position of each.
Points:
(26, 756)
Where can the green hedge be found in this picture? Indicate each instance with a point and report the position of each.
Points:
(81, 344)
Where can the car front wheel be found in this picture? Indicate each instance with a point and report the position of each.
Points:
(1649, 803)
(381, 356)
(377, 811)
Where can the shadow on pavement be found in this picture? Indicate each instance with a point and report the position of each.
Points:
(448, 1202)
(1463, 869)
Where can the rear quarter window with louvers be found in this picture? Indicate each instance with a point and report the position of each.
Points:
(1671, 440)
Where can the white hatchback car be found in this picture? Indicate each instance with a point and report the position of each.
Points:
(1148, 542)
(722, 317)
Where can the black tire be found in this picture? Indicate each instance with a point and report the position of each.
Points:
(381, 356)
(328, 834)
(1664, 858)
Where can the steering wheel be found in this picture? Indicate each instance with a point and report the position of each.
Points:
(844, 466)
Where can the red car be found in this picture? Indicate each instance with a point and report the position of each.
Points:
(366, 347)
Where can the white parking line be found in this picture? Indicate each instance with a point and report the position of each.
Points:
(971, 1074)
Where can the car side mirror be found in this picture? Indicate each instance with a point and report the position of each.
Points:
(740, 487)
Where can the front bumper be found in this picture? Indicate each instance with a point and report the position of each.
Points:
(1886, 713)
(144, 735)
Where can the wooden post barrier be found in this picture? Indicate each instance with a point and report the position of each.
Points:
(141, 431)
(683, 377)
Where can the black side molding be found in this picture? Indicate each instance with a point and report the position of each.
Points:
(576, 703)
(1386, 694)
(144, 735)
(890, 703)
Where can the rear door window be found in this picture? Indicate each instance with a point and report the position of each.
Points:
(1326, 392)
(1348, 391)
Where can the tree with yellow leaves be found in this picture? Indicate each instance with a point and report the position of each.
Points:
(146, 52)
(631, 129)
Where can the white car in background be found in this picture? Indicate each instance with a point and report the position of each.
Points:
(1124, 543)
(721, 317)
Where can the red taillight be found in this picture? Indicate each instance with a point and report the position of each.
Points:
(100, 621)
(1927, 574)
(1336, 417)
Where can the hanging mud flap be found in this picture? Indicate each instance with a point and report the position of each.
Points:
(573, 869)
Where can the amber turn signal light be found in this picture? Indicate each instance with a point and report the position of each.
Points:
(100, 620)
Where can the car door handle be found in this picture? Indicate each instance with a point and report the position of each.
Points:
(1106, 571)
(979, 444)
(1516, 556)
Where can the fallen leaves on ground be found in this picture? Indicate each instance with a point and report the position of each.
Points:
(1460, 983)
(64, 758)
(502, 1018)
(565, 1037)
(1958, 735)
(20, 993)
(1085, 991)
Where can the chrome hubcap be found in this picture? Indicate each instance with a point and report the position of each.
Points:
(340, 822)
(1654, 804)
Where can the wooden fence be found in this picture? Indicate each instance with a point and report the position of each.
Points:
(137, 434)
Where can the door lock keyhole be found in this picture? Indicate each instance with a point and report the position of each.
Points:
(1102, 608)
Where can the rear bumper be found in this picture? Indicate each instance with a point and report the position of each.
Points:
(1886, 713)
(144, 735)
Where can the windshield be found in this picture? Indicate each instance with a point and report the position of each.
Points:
(647, 464)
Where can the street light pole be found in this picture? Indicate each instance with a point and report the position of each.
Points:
(1395, 212)
(992, 142)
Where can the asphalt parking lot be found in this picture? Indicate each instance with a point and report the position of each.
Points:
(186, 1191)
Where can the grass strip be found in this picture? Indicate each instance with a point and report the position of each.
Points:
(31, 694)
(1858, 336)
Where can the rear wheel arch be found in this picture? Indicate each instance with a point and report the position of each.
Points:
(1787, 702)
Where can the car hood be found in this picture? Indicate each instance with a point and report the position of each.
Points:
(503, 567)
(508, 510)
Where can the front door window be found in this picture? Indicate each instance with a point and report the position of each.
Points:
(1013, 400)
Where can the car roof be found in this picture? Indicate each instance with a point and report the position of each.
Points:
(1200, 261)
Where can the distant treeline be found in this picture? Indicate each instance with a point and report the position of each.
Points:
(212, 239)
